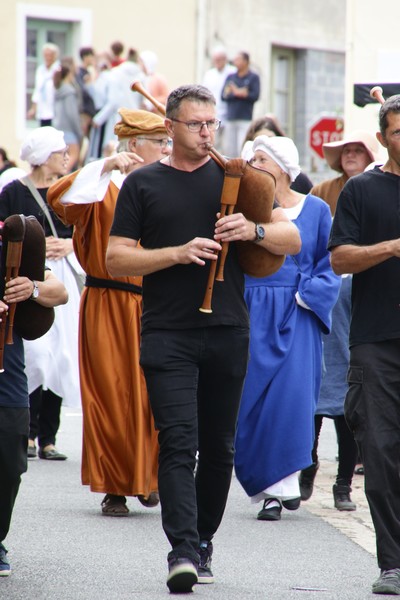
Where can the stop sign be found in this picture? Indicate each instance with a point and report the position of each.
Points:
(325, 129)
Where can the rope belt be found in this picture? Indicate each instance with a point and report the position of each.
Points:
(97, 282)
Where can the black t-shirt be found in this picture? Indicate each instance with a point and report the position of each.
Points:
(164, 207)
(368, 212)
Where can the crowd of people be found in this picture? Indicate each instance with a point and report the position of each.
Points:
(129, 204)
(83, 100)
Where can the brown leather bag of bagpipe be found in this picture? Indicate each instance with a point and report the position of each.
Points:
(247, 190)
(23, 253)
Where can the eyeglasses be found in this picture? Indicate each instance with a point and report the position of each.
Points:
(197, 126)
(63, 153)
(163, 143)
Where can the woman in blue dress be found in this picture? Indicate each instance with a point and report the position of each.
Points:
(289, 311)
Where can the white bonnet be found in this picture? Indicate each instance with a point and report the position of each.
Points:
(282, 150)
(40, 143)
(247, 151)
(10, 175)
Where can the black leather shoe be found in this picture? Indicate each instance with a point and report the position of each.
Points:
(270, 513)
(292, 504)
(51, 454)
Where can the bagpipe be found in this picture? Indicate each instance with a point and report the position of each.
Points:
(23, 253)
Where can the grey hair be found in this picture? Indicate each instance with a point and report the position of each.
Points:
(53, 47)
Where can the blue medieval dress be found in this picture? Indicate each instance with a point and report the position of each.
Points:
(289, 311)
(334, 384)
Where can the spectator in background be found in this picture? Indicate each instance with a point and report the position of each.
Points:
(66, 111)
(5, 162)
(100, 91)
(214, 80)
(268, 125)
(119, 94)
(85, 76)
(117, 49)
(42, 107)
(241, 90)
(156, 83)
(349, 156)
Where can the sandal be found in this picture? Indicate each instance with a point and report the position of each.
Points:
(114, 506)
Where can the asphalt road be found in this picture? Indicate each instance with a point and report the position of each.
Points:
(62, 548)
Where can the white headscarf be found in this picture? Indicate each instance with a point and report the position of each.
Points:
(282, 150)
(247, 151)
(10, 175)
(40, 143)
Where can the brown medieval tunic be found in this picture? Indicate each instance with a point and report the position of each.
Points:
(329, 191)
(120, 448)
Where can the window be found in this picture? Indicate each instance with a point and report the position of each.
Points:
(69, 28)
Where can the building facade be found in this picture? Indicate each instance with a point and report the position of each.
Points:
(297, 48)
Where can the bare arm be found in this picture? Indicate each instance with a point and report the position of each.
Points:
(281, 235)
(52, 292)
(355, 259)
(124, 257)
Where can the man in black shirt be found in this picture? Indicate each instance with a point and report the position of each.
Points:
(365, 241)
(194, 363)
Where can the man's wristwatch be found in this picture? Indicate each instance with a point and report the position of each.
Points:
(35, 292)
(260, 232)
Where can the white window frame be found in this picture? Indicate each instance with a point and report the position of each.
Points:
(81, 18)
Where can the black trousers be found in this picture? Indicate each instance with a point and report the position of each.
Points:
(45, 408)
(372, 409)
(347, 447)
(14, 427)
(195, 380)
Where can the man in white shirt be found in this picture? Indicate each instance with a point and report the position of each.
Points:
(42, 107)
(214, 80)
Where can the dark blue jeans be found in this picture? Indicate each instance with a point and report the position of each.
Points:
(194, 379)
(372, 410)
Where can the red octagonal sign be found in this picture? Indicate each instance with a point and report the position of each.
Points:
(325, 129)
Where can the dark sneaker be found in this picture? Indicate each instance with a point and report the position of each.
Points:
(182, 575)
(341, 497)
(204, 573)
(306, 481)
(388, 582)
(271, 510)
(5, 569)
